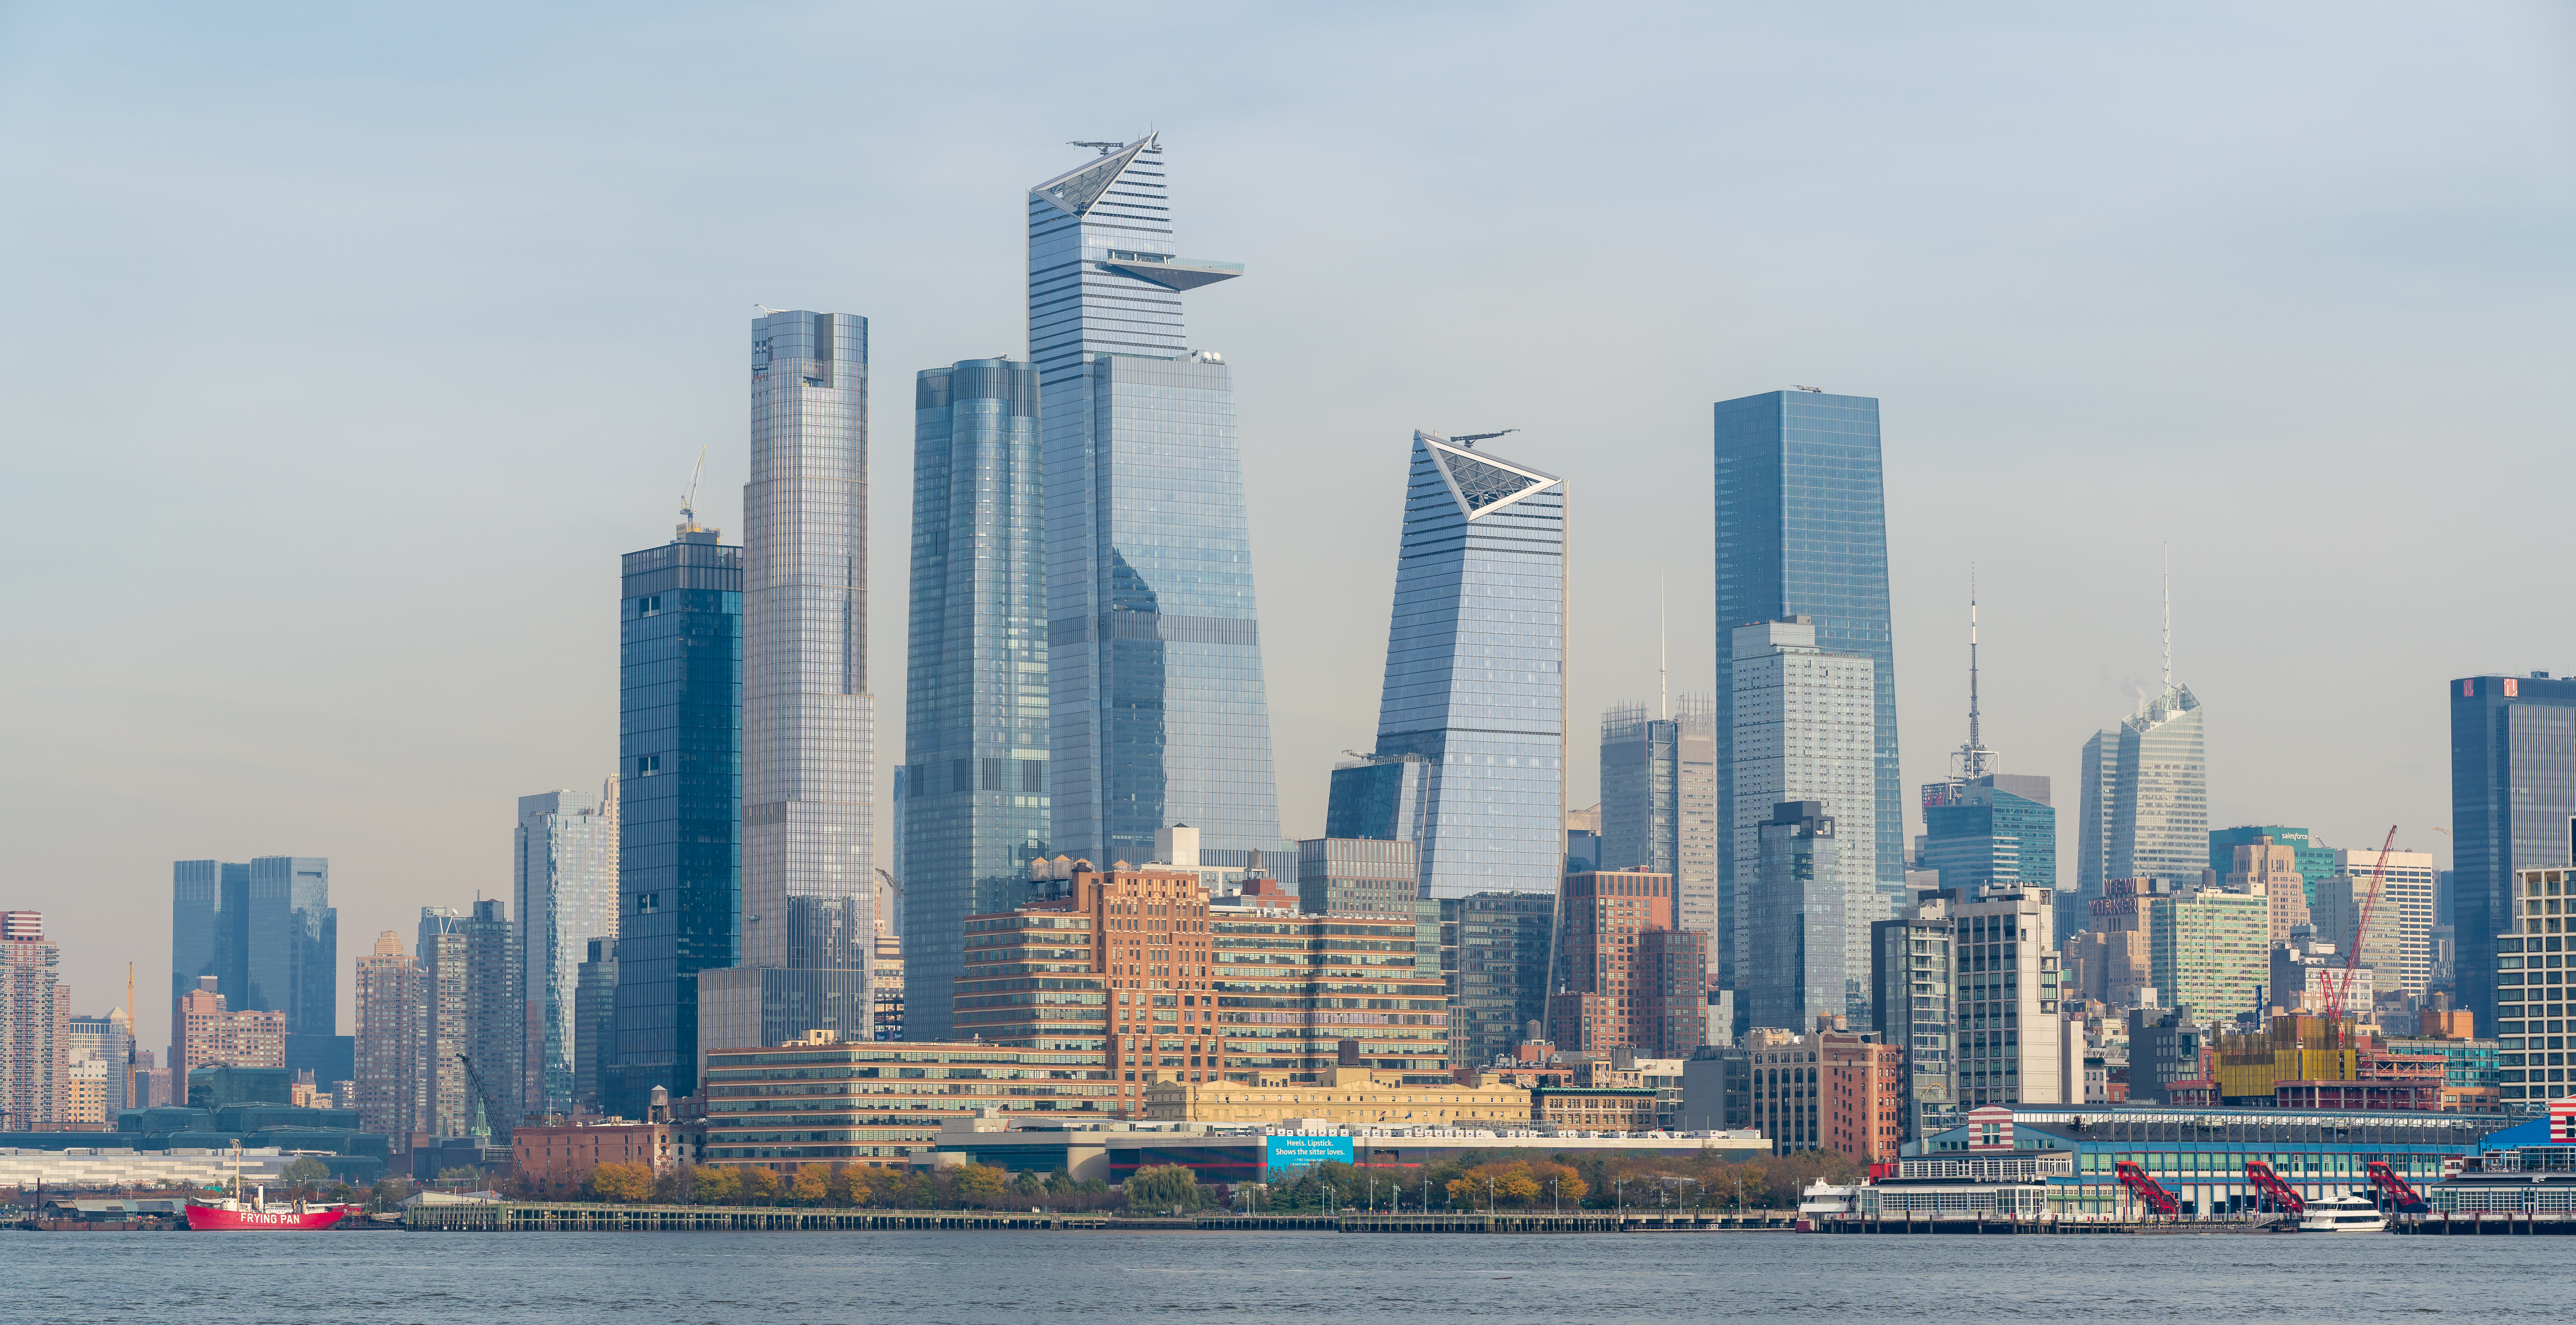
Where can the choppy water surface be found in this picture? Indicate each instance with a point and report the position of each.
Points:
(942, 1278)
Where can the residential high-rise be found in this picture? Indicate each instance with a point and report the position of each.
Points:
(808, 719)
(1358, 876)
(2007, 1025)
(390, 1046)
(1802, 532)
(1614, 987)
(1803, 732)
(2513, 801)
(2399, 946)
(679, 859)
(564, 865)
(1659, 801)
(471, 1016)
(1497, 972)
(2097, 792)
(207, 1032)
(594, 1019)
(1157, 704)
(1475, 668)
(1915, 979)
(100, 1052)
(975, 726)
(1990, 830)
(2531, 1013)
(266, 930)
(35, 1024)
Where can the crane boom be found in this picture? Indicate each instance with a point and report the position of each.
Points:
(2339, 991)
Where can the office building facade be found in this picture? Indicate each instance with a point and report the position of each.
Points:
(1997, 829)
(1358, 876)
(594, 1020)
(1915, 985)
(1617, 965)
(1659, 808)
(1384, 798)
(808, 718)
(2529, 977)
(679, 855)
(1793, 970)
(564, 874)
(1475, 668)
(2211, 949)
(2513, 799)
(1157, 703)
(266, 930)
(35, 1023)
(1803, 731)
(1498, 945)
(2398, 946)
(976, 731)
(2271, 871)
(2007, 1029)
(2097, 792)
(1802, 532)
(2312, 859)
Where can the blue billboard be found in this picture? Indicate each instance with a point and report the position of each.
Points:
(1299, 1150)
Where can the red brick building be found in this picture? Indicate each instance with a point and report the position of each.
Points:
(568, 1154)
(1863, 1089)
(1628, 978)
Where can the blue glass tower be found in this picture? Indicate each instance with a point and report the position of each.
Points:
(1475, 670)
(975, 716)
(1802, 532)
(680, 791)
(1153, 641)
(2513, 807)
(1998, 829)
(266, 930)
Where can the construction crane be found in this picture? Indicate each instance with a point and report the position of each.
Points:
(2137, 1181)
(2400, 1193)
(491, 1105)
(2337, 991)
(2284, 1199)
(689, 500)
(1104, 148)
(1469, 441)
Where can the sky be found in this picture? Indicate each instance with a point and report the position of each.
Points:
(343, 349)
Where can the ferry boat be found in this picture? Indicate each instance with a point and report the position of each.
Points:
(232, 1213)
(2347, 1213)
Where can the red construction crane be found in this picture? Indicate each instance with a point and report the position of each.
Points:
(2136, 1180)
(2337, 991)
(2406, 1198)
(2269, 1183)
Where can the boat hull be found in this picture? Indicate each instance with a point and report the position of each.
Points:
(211, 1219)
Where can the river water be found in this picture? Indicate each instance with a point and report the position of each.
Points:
(971, 1278)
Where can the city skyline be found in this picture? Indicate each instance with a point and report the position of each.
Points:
(280, 706)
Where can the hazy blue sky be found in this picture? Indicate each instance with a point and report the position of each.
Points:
(346, 347)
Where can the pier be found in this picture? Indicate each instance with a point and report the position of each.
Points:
(563, 1217)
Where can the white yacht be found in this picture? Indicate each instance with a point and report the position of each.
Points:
(2348, 1213)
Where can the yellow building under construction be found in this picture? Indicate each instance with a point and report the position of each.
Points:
(2295, 1047)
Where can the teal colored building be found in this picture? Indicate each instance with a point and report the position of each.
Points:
(2315, 861)
(1994, 829)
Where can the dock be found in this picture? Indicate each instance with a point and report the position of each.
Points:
(567, 1217)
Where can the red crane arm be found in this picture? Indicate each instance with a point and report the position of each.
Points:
(2339, 990)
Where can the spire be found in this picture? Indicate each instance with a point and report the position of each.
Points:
(2168, 583)
(1663, 656)
(1973, 759)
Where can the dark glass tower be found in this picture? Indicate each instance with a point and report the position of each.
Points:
(1157, 702)
(1802, 532)
(680, 792)
(2513, 806)
(974, 810)
(267, 932)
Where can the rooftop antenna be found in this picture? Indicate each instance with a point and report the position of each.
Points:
(2168, 583)
(1663, 657)
(1974, 759)
(1469, 441)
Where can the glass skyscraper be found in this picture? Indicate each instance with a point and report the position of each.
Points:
(1659, 804)
(1475, 669)
(680, 806)
(808, 721)
(974, 812)
(2513, 807)
(564, 868)
(1153, 640)
(1802, 532)
(267, 932)
(2160, 811)
(1989, 830)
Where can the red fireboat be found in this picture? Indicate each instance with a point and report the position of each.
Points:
(232, 1212)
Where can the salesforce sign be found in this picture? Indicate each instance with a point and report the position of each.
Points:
(1296, 1150)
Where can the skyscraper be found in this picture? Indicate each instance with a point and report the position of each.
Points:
(2160, 815)
(471, 1016)
(679, 860)
(564, 862)
(975, 709)
(2097, 792)
(1475, 668)
(1803, 731)
(1159, 714)
(35, 1024)
(390, 1050)
(2398, 946)
(1659, 801)
(2513, 807)
(1802, 532)
(1794, 968)
(1995, 829)
(267, 932)
(808, 720)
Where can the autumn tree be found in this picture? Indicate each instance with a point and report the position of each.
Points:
(718, 1186)
(848, 1187)
(1163, 1186)
(619, 1182)
(759, 1186)
(813, 1183)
